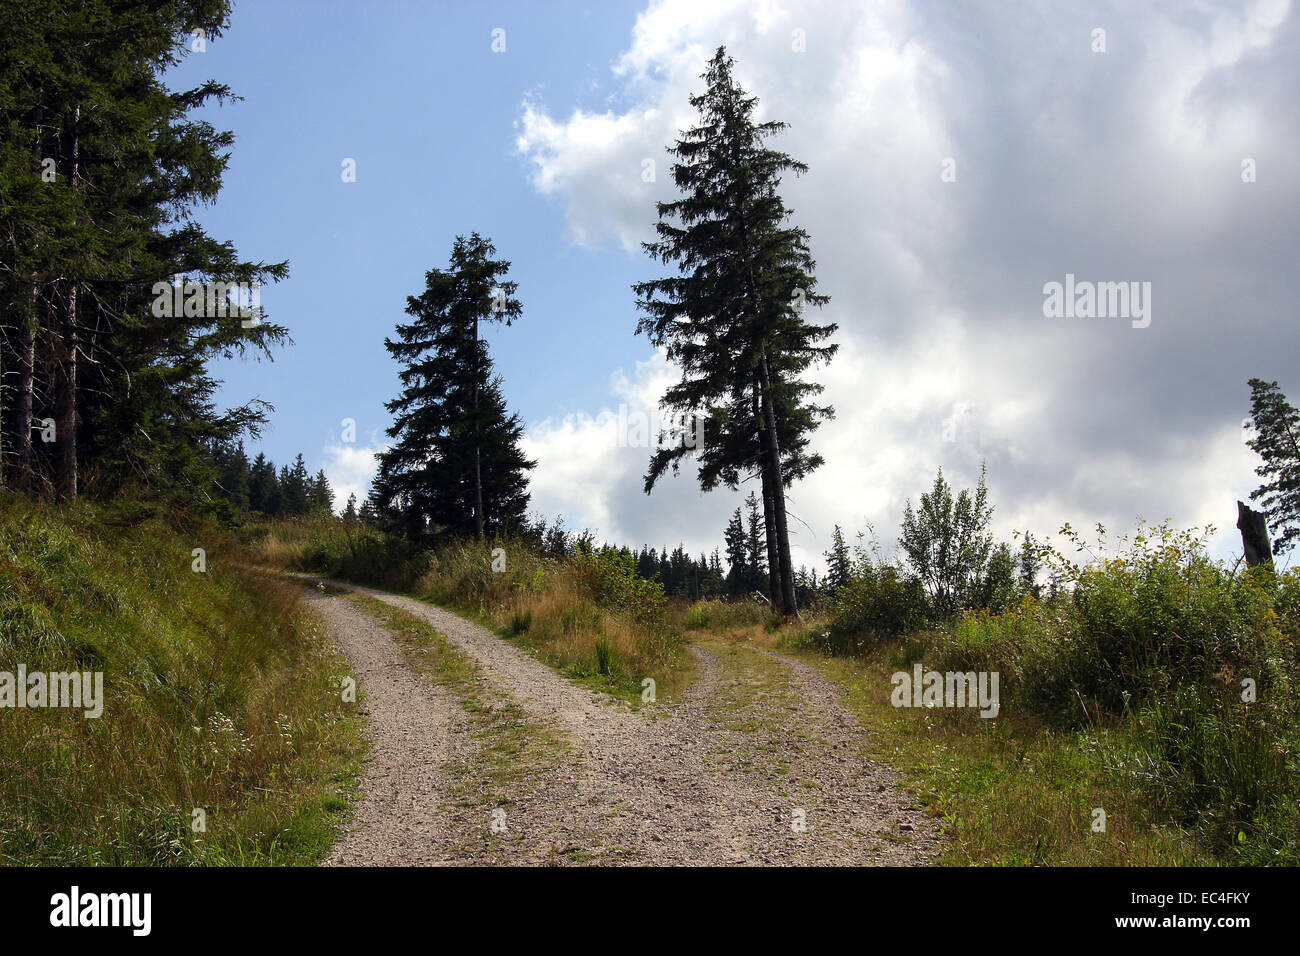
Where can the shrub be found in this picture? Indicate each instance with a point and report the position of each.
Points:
(1166, 636)
(878, 604)
(716, 614)
(609, 576)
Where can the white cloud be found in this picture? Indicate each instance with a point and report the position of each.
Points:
(1116, 166)
(350, 468)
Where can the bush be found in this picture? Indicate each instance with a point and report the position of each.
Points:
(878, 604)
(1165, 636)
(609, 576)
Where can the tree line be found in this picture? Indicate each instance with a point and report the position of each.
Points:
(256, 488)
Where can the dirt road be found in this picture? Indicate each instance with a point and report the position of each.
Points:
(757, 762)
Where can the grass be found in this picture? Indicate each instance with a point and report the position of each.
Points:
(511, 745)
(221, 695)
(1013, 792)
(567, 614)
(1010, 791)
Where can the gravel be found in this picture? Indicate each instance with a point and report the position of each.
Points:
(757, 763)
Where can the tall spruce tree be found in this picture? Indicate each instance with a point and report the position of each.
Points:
(732, 318)
(455, 466)
(1276, 439)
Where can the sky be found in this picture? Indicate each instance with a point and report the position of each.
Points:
(961, 158)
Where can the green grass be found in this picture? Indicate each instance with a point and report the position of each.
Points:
(1013, 792)
(221, 694)
(585, 618)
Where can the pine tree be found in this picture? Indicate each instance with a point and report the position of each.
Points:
(367, 515)
(320, 497)
(456, 464)
(839, 566)
(294, 486)
(735, 546)
(732, 319)
(1276, 439)
(1031, 562)
(263, 486)
(232, 475)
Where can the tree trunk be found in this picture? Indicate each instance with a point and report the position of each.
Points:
(788, 605)
(65, 406)
(1254, 535)
(22, 403)
(769, 520)
(768, 438)
(478, 472)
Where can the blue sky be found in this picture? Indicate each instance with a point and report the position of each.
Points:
(961, 158)
(414, 93)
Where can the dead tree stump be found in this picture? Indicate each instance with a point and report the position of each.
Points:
(1253, 526)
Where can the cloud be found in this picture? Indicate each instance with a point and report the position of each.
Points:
(1123, 165)
(350, 469)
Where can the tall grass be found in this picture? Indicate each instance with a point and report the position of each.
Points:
(221, 695)
(586, 614)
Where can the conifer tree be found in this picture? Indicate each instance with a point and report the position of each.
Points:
(839, 566)
(733, 317)
(455, 465)
(100, 168)
(1031, 562)
(1276, 439)
(735, 545)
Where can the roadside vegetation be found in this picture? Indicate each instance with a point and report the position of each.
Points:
(1156, 686)
(221, 695)
(579, 607)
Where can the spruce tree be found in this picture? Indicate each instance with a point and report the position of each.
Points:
(737, 551)
(839, 566)
(1031, 562)
(1276, 439)
(455, 466)
(100, 168)
(732, 317)
(321, 495)
(232, 475)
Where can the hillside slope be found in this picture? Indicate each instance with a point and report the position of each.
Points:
(223, 736)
